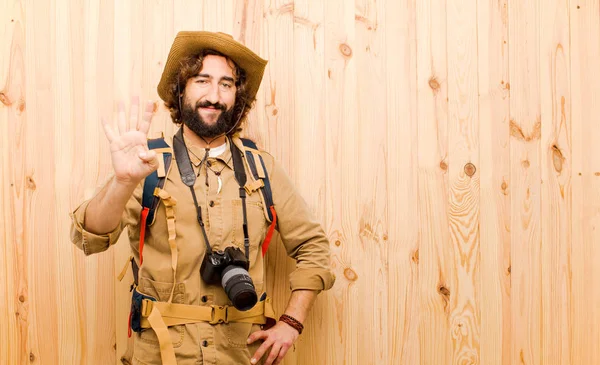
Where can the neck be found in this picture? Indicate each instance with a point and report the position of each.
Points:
(194, 139)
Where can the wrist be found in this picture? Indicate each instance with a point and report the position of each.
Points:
(292, 322)
(124, 184)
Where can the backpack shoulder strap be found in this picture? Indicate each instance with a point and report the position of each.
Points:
(158, 177)
(260, 173)
(153, 181)
(263, 175)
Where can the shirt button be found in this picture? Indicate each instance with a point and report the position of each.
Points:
(204, 299)
(204, 343)
(211, 203)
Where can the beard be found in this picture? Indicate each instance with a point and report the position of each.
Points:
(192, 119)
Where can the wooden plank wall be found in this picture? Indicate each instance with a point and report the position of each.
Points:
(451, 150)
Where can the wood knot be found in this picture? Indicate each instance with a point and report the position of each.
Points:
(21, 106)
(4, 99)
(30, 183)
(504, 186)
(444, 291)
(415, 256)
(329, 73)
(443, 165)
(275, 111)
(595, 173)
(385, 237)
(470, 169)
(525, 164)
(507, 86)
(557, 158)
(350, 274)
(509, 270)
(434, 84)
(338, 243)
(346, 50)
(31, 357)
(21, 298)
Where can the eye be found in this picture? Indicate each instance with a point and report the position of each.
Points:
(202, 81)
(226, 85)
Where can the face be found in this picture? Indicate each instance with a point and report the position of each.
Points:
(209, 98)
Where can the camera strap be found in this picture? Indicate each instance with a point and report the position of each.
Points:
(188, 177)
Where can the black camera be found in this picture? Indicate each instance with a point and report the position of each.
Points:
(230, 269)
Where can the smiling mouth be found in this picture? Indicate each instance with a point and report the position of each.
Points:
(210, 108)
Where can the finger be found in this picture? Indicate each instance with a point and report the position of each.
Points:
(261, 351)
(121, 118)
(108, 131)
(147, 117)
(274, 354)
(134, 113)
(282, 353)
(257, 335)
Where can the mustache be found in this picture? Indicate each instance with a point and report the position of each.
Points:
(208, 104)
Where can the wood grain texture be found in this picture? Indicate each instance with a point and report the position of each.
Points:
(399, 27)
(437, 280)
(525, 132)
(450, 149)
(556, 195)
(367, 176)
(341, 140)
(585, 131)
(494, 175)
(463, 180)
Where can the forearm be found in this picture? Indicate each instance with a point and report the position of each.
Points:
(104, 211)
(300, 303)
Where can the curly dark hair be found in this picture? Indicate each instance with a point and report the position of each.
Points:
(190, 67)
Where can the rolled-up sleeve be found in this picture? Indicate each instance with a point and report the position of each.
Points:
(302, 235)
(89, 242)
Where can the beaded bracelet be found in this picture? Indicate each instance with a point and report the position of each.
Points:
(292, 322)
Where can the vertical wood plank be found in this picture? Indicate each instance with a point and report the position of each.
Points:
(126, 63)
(278, 86)
(494, 157)
(399, 28)
(38, 173)
(463, 157)
(370, 203)
(525, 130)
(309, 146)
(341, 139)
(156, 38)
(556, 162)
(98, 30)
(436, 265)
(248, 29)
(67, 105)
(14, 197)
(585, 96)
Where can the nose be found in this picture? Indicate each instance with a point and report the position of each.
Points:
(212, 95)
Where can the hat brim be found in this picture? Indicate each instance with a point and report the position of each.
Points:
(188, 43)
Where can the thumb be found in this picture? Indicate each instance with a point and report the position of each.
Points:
(149, 157)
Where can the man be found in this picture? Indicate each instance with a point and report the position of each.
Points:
(185, 309)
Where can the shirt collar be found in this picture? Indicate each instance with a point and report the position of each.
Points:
(197, 153)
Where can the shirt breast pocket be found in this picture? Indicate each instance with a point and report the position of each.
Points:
(257, 223)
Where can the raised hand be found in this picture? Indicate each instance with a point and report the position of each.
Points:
(131, 159)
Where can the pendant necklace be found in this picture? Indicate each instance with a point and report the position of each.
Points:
(218, 175)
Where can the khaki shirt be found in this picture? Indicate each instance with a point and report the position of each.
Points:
(301, 233)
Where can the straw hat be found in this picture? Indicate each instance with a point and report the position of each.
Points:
(189, 43)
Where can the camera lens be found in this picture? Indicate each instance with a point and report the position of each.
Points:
(239, 287)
